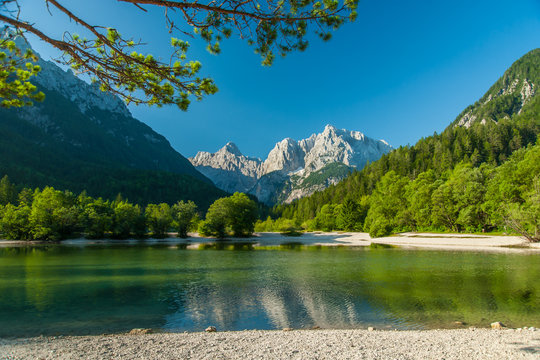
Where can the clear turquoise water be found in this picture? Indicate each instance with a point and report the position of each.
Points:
(105, 289)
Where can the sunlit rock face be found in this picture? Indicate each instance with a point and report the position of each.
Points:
(351, 148)
(521, 90)
(228, 168)
(285, 157)
(281, 177)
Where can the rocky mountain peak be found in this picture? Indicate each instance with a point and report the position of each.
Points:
(231, 148)
(331, 132)
(351, 148)
(286, 156)
(232, 171)
(329, 129)
(228, 168)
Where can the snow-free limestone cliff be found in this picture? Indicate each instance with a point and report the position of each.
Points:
(293, 169)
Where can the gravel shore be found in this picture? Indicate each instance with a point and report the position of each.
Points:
(298, 344)
(409, 240)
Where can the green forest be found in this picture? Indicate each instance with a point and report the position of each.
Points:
(51, 215)
(479, 179)
(481, 174)
(476, 176)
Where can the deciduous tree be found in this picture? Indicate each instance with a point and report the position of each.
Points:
(159, 219)
(183, 214)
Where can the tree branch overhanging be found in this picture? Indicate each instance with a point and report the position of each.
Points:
(275, 26)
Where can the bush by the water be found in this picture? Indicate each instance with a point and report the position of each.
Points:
(234, 215)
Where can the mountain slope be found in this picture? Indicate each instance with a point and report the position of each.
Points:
(506, 119)
(284, 175)
(81, 138)
(511, 95)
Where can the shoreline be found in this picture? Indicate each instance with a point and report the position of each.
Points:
(267, 240)
(471, 343)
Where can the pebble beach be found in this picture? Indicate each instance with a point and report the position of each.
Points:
(277, 344)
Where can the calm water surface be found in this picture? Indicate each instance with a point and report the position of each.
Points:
(103, 289)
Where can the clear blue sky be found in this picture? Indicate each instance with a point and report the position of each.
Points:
(402, 71)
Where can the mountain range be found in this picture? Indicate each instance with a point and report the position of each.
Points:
(81, 138)
(292, 169)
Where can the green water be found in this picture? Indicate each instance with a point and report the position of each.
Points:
(104, 289)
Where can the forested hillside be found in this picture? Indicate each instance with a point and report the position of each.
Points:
(32, 158)
(80, 138)
(443, 181)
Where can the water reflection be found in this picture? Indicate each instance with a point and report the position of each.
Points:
(93, 290)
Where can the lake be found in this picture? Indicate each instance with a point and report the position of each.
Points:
(61, 289)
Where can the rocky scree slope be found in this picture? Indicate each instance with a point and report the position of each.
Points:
(293, 169)
(513, 94)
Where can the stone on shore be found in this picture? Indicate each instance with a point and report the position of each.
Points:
(140, 331)
(210, 329)
(498, 325)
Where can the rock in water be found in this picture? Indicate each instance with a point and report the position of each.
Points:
(140, 331)
(210, 329)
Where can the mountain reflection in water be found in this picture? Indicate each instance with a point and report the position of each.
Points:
(104, 289)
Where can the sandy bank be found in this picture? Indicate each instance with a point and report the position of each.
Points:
(302, 344)
(405, 240)
(434, 241)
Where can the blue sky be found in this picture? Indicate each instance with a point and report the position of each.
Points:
(402, 71)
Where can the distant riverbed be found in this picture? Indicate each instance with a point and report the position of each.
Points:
(112, 287)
